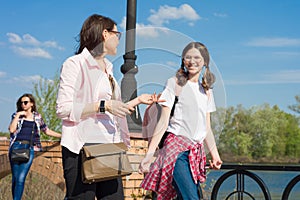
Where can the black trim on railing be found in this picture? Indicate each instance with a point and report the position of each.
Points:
(289, 187)
(242, 170)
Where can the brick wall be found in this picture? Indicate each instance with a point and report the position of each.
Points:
(132, 182)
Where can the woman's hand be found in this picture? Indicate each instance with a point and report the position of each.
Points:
(118, 108)
(20, 113)
(215, 164)
(145, 164)
(150, 98)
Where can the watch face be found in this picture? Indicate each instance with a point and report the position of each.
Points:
(102, 106)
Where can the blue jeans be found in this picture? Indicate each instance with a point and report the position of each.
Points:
(19, 171)
(183, 181)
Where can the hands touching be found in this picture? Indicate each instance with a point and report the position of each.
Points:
(150, 98)
(121, 109)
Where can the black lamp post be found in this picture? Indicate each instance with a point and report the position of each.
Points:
(129, 68)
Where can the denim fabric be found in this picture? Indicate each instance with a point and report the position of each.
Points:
(183, 181)
(19, 171)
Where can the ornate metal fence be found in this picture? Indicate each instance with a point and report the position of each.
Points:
(246, 170)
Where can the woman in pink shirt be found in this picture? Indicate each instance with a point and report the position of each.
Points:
(89, 104)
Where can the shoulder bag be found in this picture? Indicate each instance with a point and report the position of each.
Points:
(102, 162)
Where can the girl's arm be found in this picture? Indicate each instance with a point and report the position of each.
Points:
(159, 130)
(216, 161)
(144, 99)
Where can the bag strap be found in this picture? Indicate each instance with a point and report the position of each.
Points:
(32, 132)
(177, 90)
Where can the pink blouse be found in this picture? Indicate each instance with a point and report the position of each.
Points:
(82, 82)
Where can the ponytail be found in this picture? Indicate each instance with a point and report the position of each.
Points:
(182, 75)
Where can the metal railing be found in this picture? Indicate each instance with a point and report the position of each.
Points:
(240, 171)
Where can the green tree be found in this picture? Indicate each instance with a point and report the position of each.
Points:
(260, 132)
(266, 123)
(45, 93)
(235, 139)
(296, 107)
(292, 135)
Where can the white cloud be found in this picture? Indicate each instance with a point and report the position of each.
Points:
(2, 74)
(143, 30)
(31, 52)
(166, 13)
(52, 44)
(30, 40)
(284, 76)
(221, 15)
(274, 42)
(280, 77)
(27, 79)
(14, 38)
(29, 46)
(161, 17)
(147, 30)
(287, 53)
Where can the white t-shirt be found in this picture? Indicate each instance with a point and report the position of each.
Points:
(193, 104)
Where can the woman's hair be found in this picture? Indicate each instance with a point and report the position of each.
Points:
(91, 33)
(32, 100)
(208, 77)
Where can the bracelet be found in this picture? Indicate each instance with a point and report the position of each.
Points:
(102, 107)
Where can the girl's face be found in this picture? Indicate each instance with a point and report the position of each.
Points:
(193, 61)
(111, 41)
(26, 104)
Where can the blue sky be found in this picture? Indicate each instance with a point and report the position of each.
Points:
(254, 45)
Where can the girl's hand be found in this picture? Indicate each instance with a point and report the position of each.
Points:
(215, 164)
(145, 164)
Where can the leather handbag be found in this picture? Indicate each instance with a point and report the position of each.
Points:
(102, 162)
(20, 155)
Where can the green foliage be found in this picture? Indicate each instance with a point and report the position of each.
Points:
(296, 107)
(45, 93)
(259, 133)
(3, 134)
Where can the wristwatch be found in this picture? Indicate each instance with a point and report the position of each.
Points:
(102, 107)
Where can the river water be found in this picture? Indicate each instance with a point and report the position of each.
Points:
(275, 181)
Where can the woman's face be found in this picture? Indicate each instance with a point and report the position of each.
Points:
(193, 61)
(26, 104)
(111, 41)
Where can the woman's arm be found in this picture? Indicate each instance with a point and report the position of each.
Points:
(159, 130)
(14, 122)
(53, 133)
(216, 161)
(115, 107)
